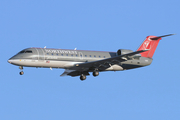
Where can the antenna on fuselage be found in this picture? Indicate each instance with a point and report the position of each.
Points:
(75, 48)
(44, 46)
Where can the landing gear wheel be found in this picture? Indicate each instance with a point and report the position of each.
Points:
(21, 73)
(95, 73)
(82, 77)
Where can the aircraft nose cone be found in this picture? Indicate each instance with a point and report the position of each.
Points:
(9, 61)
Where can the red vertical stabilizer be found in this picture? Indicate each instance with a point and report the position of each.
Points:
(149, 43)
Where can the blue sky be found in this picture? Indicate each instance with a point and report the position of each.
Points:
(147, 93)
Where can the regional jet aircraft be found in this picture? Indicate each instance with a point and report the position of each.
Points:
(81, 62)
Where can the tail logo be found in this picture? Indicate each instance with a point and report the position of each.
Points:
(147, 44)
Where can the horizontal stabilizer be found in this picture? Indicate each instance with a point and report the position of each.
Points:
(156, 38)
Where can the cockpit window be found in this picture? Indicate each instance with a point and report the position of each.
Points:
(28, 51)
(23, 51)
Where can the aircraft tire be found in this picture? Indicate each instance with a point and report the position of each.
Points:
(82, 77)
(21, 73)
(95, 73)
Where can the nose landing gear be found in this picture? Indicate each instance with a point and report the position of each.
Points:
(21, 68)
(21, 73)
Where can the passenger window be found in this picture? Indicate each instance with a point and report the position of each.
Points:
(76, 55)
(94, 56)
(104, 56)
(72, 55)
(85, 55)
(66, 54)
(52, 53)
(47, 53)
(56, 54)
(99, 56)
(89, 55)
(61, 54)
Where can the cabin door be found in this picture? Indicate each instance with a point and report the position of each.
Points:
(41, 55)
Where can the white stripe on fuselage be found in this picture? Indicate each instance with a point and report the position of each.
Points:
(53, 64)
(43, 63)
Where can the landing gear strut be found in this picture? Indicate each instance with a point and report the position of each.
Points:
(21, 68)
(82, 77)
(95, 73)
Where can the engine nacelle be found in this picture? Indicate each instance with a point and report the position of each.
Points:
(123, 51)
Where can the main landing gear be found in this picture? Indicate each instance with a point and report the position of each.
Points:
(82, 77)
(95, 73)
(21, 68)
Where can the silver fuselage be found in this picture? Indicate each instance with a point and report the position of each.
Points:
(66, 59)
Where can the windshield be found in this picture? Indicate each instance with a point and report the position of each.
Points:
(26, 51)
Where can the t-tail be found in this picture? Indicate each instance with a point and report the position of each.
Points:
(150, 44)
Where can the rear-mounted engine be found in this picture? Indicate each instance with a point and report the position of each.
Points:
(123, 51)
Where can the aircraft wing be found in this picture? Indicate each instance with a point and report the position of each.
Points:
(73, 73)
(108, 62)
(100, 65)
(66, 72)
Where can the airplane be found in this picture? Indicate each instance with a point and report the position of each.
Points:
(81, 62)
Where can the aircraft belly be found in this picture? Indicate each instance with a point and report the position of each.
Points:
(114, 68)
